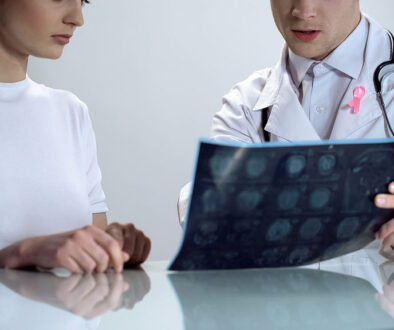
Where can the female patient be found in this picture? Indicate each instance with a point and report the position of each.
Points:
(50, 182)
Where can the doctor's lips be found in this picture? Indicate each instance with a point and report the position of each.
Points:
(306, 35)
(62, 39)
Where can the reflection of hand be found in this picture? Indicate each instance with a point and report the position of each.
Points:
(132, 241)
(86, 249)
(139, 286)
(386, 232)
(88, 296)
(91, 295)
(386, 300)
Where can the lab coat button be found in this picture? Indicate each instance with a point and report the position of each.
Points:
(320, 109)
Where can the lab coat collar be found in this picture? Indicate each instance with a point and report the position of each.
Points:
(288, 119)
(338, 60)
(348, 57)
(347, 121)
(270, 91)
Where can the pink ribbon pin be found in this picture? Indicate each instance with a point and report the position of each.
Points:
(358, 93)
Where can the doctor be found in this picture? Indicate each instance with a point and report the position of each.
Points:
(328, 61)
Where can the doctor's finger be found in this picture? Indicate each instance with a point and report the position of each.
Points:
(385, 201)
(385, 230)
(387, 249)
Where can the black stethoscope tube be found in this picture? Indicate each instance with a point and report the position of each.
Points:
(378, 88)
(378, 84)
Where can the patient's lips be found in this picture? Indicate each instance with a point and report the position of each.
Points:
(306, 35)
(62, 39)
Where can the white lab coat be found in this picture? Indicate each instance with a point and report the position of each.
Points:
(240, 117)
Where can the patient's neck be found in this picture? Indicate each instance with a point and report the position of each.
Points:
(13, 67)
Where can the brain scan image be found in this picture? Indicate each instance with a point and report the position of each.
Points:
(288, 198)
(299, 255)
(285, 204)
(327, 164)
(278, 230)
(295, 166)
(347, 228)
(256, 166)
(220, 165)
(310, 228)
(247, 200)
(270, 255)
(319, 198)
(212, 201)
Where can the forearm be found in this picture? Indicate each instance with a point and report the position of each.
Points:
(100, 220)
(18, 255)
(85, 249)
(9, 256)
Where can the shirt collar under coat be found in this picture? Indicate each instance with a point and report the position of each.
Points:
(288, 120)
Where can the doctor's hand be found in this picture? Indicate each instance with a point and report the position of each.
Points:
(132, 241)
(386, 232)
(84, 250)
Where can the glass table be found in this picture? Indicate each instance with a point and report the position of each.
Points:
(355, 291)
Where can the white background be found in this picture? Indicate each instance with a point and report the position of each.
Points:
(153, 73)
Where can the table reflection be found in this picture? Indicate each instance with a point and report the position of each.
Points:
(386, 298)
(277, 299)
(86, 296)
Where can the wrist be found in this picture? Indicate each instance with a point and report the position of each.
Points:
(17, 255)
(2, 258)
(10, 257)
(26, 252)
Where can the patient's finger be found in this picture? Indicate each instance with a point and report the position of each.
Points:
(117, 232)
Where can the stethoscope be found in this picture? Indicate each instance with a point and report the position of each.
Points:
(379, 74)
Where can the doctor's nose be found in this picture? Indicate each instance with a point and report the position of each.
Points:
(304, 9)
